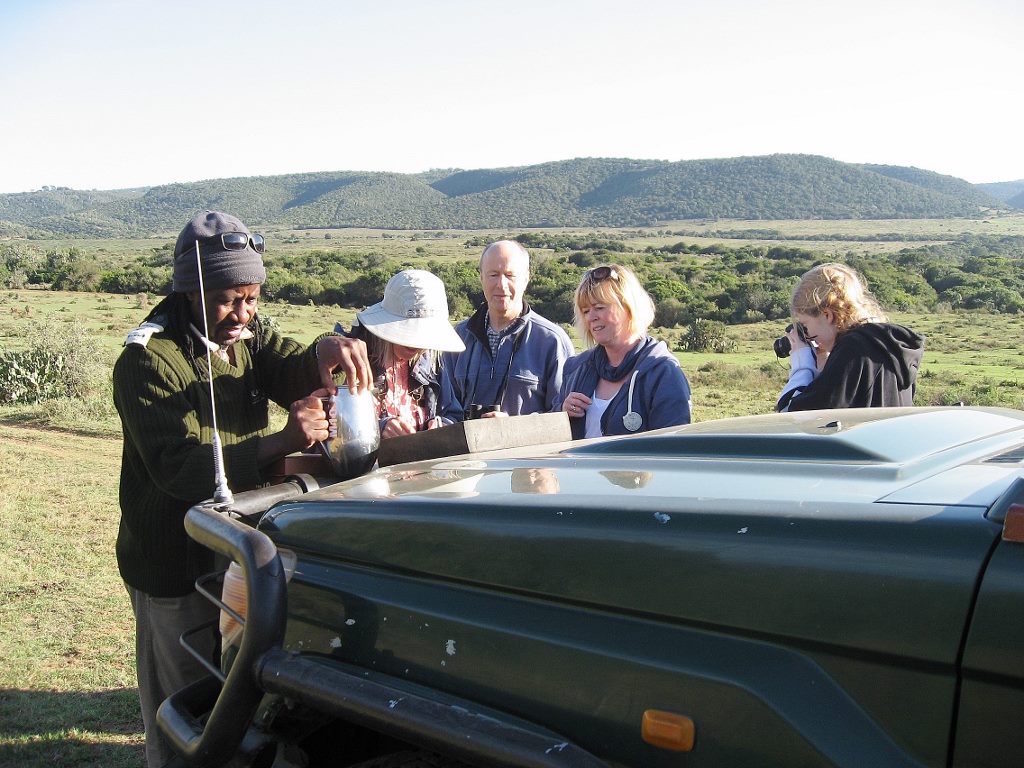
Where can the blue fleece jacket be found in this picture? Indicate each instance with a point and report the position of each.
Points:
(661, 394)
(533, 352)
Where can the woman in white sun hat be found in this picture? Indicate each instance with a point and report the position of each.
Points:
(404, 333)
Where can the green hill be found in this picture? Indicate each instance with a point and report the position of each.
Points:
(947, 185)
(580, 192)
(1005, 191)
(775, 187)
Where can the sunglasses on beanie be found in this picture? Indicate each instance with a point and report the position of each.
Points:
(237, 241)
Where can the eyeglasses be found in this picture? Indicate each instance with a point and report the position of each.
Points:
(597, 274)
(237, 241)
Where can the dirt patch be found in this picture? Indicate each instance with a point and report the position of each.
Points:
(56, 443)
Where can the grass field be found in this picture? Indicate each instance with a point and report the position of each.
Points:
(67, 690)
(67, 687)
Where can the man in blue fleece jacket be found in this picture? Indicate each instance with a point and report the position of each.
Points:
(514, 357)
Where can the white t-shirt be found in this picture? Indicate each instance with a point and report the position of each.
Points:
(595, 411)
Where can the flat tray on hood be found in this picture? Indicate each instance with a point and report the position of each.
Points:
(475, 436)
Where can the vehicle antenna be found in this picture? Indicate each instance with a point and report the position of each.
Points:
(222, 495)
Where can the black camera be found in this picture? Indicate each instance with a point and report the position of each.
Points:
(782, 346)
(475, 411)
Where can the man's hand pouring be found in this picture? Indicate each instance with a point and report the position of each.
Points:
(336, 353)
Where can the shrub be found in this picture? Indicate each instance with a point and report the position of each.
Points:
(31, 376)
(706, 336)
(58, 361)
(300, 290)
(670, 312)
(270, 322)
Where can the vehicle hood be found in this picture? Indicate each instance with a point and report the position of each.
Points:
(744, 523)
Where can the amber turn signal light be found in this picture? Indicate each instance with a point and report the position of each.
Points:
(1013, 523)
(668, 730)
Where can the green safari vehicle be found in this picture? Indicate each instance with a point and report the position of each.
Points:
(829, 588)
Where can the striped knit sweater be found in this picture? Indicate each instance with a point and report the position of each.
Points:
(163, 397)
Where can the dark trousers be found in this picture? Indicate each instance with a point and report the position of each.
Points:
(163, 666)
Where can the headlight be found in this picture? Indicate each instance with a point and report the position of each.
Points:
(235, 596)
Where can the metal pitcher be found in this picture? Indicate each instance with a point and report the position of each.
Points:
(353, 450)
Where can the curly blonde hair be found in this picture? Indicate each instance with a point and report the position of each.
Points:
(620, 287)
(839, 289)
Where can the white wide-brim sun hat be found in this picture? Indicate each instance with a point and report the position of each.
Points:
(413, 313)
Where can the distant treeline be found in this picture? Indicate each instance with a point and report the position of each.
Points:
(774, 234)
(687, 281)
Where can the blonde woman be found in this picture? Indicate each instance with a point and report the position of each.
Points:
(626, 381)
(404, 332)
(848, 355)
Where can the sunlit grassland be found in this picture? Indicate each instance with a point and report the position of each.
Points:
(67, 683)
(859, 236)
(935, 229)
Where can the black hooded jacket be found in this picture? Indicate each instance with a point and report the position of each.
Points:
(871, 365)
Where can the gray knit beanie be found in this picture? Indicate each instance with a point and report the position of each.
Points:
(222, 268)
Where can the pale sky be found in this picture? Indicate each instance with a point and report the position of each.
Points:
(108, 94)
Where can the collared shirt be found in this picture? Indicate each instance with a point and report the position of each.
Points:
(217, 349)
(494, 337)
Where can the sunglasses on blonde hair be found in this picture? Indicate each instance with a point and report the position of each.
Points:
(598, 274)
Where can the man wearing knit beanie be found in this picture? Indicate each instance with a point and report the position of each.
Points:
(229, 253)
(162, 394)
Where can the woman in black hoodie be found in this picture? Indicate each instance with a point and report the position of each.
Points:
(848, 355)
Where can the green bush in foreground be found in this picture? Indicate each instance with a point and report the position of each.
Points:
(59, 362)
(706, 336)
(32, 375)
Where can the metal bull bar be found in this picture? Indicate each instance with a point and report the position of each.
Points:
(178, 716)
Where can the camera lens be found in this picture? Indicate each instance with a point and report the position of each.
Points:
(782, 346)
